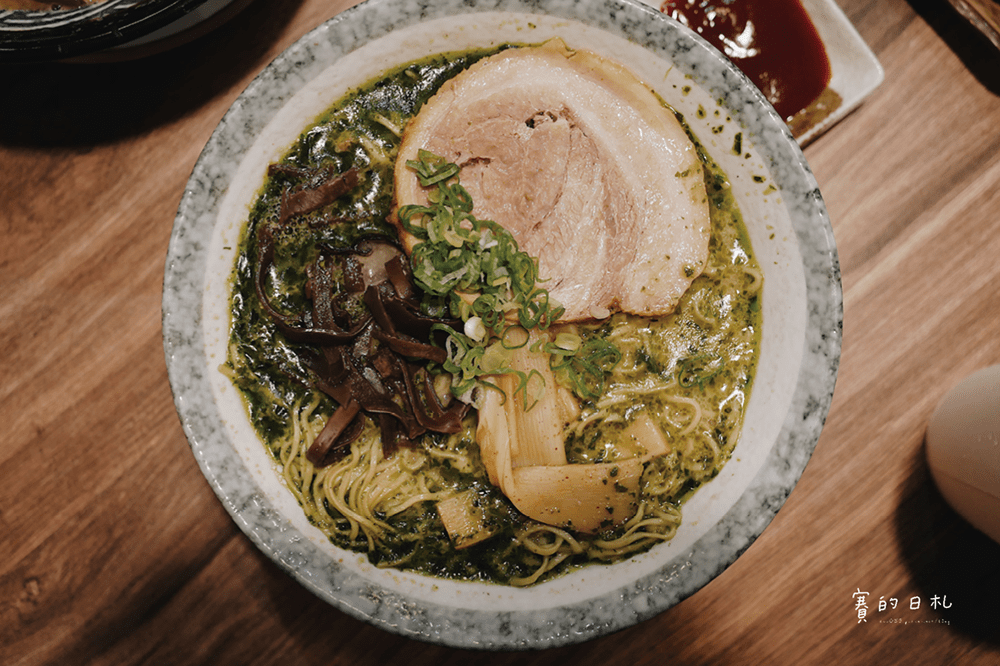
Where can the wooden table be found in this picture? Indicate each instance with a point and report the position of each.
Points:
(114, 550)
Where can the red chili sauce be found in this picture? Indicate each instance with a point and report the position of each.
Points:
(772, 41)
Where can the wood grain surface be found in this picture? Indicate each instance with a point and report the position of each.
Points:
(114, 550)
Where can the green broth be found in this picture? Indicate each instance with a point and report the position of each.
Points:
(708, 348)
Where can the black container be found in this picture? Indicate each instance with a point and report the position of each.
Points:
(27, 35)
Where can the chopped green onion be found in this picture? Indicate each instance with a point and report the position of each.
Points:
(475, 270)
(583, 369)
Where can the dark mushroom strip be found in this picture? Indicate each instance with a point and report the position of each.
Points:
(456, 409)
(410, 321)
(354, 385)
(288, 170)
(366, 262)
(411, 348)
(398, 271)
(310, 199)
(367, 363)
(265, 259)
(354, 281)
(373, 299)
(328, 312)
(392, 436)
(329, 378)
(290, 327)
(340, 430)
(320, 290)
(429, 411)
(384, 361)
(319, 336)
(399, 342)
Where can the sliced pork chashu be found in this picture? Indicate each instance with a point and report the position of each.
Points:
(583, 164)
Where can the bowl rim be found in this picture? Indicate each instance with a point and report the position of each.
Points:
(799, 432)
(40, 35)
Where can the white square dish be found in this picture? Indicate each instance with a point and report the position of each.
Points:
(854, 70)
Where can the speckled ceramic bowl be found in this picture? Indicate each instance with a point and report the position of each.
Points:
(800, 351)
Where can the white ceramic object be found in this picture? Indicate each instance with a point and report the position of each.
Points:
(789, 230)
(963, 449)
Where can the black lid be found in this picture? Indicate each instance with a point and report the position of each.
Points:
(28, 35)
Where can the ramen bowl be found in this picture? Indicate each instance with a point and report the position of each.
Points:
(800, 344)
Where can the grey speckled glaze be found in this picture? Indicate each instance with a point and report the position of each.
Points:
(624, 594)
